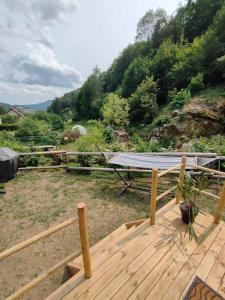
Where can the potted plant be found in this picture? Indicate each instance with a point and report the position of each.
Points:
(189, 209)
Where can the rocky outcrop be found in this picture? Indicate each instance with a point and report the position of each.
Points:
(196, 119)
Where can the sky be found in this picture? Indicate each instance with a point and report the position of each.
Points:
(49, 47)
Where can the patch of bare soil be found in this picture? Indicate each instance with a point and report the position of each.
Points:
(35, 201)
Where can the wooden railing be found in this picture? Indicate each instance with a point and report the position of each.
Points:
(179, 188)
(83, 228)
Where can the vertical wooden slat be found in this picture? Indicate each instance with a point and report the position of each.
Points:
(82, 214)
(221, 205)
(181, 180)
(153, 195)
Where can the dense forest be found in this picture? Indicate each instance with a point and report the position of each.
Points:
(173, 57)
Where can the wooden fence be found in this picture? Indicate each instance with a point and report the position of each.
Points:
(179, 188)
(83, 228)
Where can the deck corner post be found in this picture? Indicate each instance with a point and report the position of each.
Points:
(181, 179)
(153, 195)
(221, 205)
(83, 228)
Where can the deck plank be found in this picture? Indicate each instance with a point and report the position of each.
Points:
(182, 282)
(127, 252)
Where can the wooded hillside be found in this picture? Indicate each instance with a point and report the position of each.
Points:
(173, 58)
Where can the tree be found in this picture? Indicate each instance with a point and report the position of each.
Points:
(143, 102)
(150, 24)
(116, 111)
(137, 71)
(2, 110)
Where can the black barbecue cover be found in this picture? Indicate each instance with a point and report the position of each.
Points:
(9, 160)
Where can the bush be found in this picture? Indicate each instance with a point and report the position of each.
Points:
(32, 129)
(8, 140)
(9, 127)
(34, 161)
(179, 99)
(160, 120)
(8, 119)
(196, 83)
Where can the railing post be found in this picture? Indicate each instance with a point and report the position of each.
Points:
(181, 180)
(82, 218)
(153, 195)
(221, 205)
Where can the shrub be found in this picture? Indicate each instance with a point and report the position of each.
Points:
(160, 120)
(196, 83)
(8, 140)
(115, 111)
(179, 99)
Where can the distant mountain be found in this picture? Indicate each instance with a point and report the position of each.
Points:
(42, 106)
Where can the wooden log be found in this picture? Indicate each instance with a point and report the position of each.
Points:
(111, 170)
(207, 170)
(43, 153)
(42, 168)
(83, 227)
(221, 205)
(153, 196)
(41, 277)
(169, 170)
(181, 180)
(167, 192)
(35, 238)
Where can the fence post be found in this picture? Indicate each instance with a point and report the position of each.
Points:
(153, 195)
(181, 179)
(82, 218)
(221, 205)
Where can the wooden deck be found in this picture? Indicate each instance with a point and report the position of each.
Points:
(151, 262)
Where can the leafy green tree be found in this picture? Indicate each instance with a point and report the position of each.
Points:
(137, 71)
(29, 128)
(151, 23)
(2, 110)
(143, 105)
(162, 65)
(116, 111)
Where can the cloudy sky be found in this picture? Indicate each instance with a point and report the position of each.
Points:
(49, 47)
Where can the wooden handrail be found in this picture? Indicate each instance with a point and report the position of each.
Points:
(153, 195)
(43, 153)
(207, 169)
(41, 277)
(169, 170)
(35, 238)
(206, 193)
(166, 193)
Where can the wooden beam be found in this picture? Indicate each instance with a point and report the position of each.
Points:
(82, 214)
(167, 192)
(41, 277)
(169, 170)
(181, 180)
(153, 195)
(35, 238)
(134, 223)
(221, 205)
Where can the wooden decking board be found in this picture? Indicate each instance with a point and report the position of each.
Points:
(168, 277)
(108, 285)
(209, 259)
(133, 246)
(171, 273)
(179, 284)
(217, 272)
(152, 262)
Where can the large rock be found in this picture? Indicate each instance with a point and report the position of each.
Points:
(196, 119)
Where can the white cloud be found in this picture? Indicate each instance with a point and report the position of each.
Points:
(41, 67)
